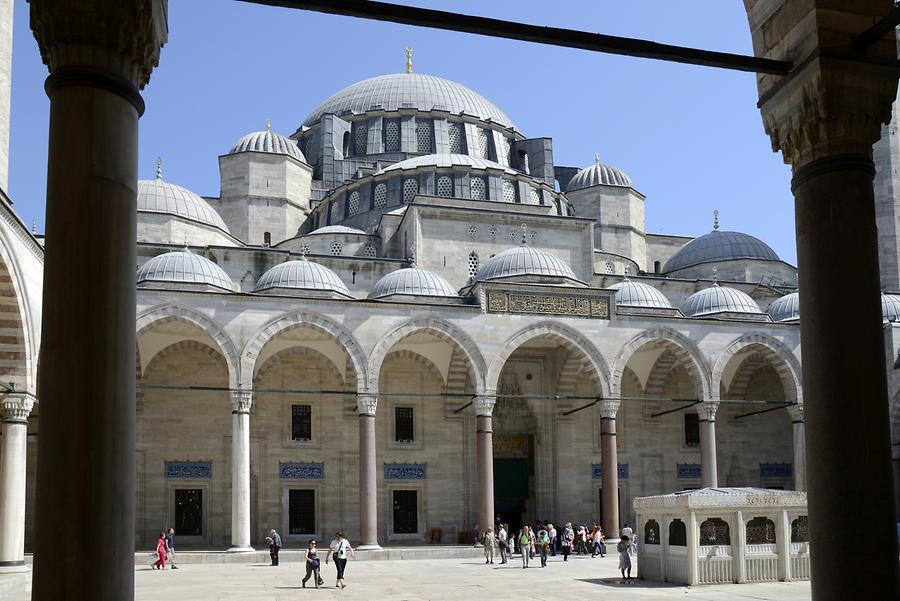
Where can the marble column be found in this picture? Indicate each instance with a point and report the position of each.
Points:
(484, 459)
(100, 54)
(368, 472)
(241, 400)
(796, 413)
(609, 463)
(709, 468)
(14, 410)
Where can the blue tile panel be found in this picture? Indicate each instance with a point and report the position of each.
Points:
(188, 469)
(688, 470)
(301, 471)
(775, 470)
(404, 471)
(597, 471)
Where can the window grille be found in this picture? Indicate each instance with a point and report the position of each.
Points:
(760, 531)
(406, 518)
(691, 430)
(473, 230)
(301, 422)
(302, 511)
(380, 196)
(677, 534)
(507, 149)
(403, 424)
(533, 197)
(189, 512)
(369, 251)
(424, 135)
(493, 232)
(473, 263)
(337, 248)
(714, 531)
(479, 188)
(509, 191)
(457, 139)
(304, 249)
(445, 186)
(333, 210)
(410, 189)
(513, 234)
(800, 530)
(610, 268)
(361, 137)
(354, 203)
(532, 235)
(651, 532)
(484, 144)
(392, 135)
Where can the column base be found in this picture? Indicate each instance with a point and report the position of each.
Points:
(241, 550)
(13, 567)
(371, 547)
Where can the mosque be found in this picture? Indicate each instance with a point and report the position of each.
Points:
(404, 319)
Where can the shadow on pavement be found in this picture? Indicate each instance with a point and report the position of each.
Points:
(634, 583)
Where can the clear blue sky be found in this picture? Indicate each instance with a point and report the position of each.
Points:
(691, 138)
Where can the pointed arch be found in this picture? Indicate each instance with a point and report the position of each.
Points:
(684, 348)
(781, 358)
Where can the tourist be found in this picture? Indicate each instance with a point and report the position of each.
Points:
(551, 532)
(628, 533)
(568, 536)
(340, 547)
(502, 543)
(532, 545)
(624, 549)
(312, 564)
(489, 541)
(274, 545)
(524, 545)
(598, 545)
(170, 547)
(160, 563)
(543, 543)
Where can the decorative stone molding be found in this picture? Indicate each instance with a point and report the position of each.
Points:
(484, 404)
(241, 400)
(608, 409)
(707, 410)
(15, 407)
(366, 404)
(796, 412)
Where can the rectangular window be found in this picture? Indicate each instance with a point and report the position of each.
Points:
(301, 512)
(301, 422)
(406, 514)
(189, 512)
(691, 429)
(403, 424)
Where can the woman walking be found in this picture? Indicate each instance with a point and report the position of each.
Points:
(160, 564)
(340, 547)
(599, 545)
(543, 542)
(568, 536)
(524, 545)
(312, 564)
(624, 549)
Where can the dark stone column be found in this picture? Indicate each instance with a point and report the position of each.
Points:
(484, 459)
(368, 472)
(709, 465)
(609, 462)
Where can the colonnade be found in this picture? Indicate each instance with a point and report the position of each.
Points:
(14, 411)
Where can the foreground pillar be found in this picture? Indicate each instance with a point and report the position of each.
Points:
(709, 470)
(484, 459)
(240, 471)
(796, 413)
(100, 53)
(609, 463)
(14, 410)
(368, 472)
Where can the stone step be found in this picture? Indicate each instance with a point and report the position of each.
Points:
(297, 555)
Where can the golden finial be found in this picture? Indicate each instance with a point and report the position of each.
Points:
(716, 220)
(158, 167)
(409, 60)
(268, 125)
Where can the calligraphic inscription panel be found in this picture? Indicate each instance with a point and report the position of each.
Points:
(548, 304)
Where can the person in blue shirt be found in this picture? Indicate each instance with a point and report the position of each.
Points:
(170, 547)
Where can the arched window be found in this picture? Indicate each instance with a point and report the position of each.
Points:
(473, 263)
(392, 135)
(410, 189)
(457, 137)
(445, 186)
(800, 530)
(760, 531)
(337, 248)
(524, 162)
(484, 143)
(361, 138)
(715, 531)
(333, 213)
(509, 191)
(507, 149)
(345, 145)
(267, 238)
(651, 532)
(379, 197)
(424, 136)
(353, 201)
(677, 534)
(533, 197)
(478, 187)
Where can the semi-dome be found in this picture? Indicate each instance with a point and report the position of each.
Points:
(890, 307)
(719, 299)
(301, 275)
(787, 308)
(412, 281)
(446, 160)
(183, 267)
(338, 229)
(524, 260)
(638, 294)
(270, 142)
(158, 196)
(720, 245)
(597, 174)
(415, 91)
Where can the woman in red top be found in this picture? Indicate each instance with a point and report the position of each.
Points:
(161, 552)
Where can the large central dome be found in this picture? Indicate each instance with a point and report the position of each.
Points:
(410, 91)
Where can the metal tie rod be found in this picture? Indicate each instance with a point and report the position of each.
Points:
(554, 36)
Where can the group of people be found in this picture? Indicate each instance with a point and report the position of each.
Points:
(165, 550)
(339, 550)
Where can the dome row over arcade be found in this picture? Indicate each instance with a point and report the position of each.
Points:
(719, 299)
(183, 267)
(638, 294)
(787, 308)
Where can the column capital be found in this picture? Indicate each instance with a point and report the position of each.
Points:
(241, 401)
(796, 412)
(366, 403)
(608, 409)
(15, 407)
(122, 37)
(484, 404)
(707, 410)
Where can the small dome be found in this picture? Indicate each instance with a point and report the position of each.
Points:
(638, 294)
(598, 174)
(719, 299)
(890, 307)
(268, 141)
(337, 229)
(302, 275)
(184, 267)
(524, 260)
(412, 281)
(787, 308)
(720, 245)
(157, 196)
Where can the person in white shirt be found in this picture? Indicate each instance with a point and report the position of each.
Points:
(627, 531)
(340, 547)
(551, 530)
(502, 542)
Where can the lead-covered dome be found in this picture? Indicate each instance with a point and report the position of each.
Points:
(183, 267)
(270, 142)
(301, 275)
(717, 246)
(890, 307)
(158, 196)
(598, 174)
(638, 294)
(786, 308)
(524, 260)
(424, 93)
(719, 299)
(412, 281)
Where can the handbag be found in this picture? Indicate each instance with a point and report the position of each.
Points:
(315, 563)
